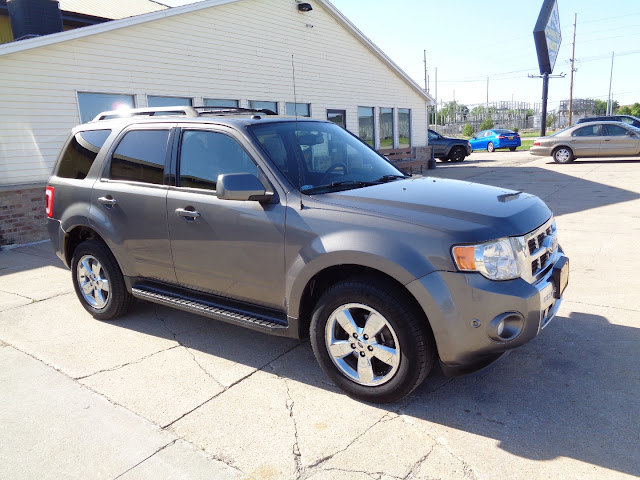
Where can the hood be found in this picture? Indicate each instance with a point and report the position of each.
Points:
(471, 212)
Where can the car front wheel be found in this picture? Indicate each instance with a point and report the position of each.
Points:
(98, 281)
(563, 155)
(457, 154)
(370, 342)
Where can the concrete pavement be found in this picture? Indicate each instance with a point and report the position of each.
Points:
(165, 394)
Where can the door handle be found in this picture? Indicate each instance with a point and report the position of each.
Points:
(187, 214)
(108, 201)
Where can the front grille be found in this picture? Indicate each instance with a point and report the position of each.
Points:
(542, 246)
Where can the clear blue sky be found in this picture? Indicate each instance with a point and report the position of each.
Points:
(468, 42)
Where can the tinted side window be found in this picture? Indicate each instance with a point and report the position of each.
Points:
(204, 155)
(590, 131)
(81, 152)
(614, 131)
(140, 156)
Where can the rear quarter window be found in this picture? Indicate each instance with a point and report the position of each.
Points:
(80, 153)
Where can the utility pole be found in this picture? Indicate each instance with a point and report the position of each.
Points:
(609, 102)
(487, 95)
(436, 119)
(573, 57)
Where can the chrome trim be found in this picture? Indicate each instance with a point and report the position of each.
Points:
(544, 243)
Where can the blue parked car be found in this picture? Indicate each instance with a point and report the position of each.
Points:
(496, 138)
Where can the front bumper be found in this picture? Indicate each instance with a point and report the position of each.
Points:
(475, 320)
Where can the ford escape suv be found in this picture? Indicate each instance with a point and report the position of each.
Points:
(295, 227)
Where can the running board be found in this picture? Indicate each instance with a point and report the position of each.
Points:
(256, 321)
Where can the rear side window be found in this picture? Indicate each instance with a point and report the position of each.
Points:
(81, 153)
(140, 157)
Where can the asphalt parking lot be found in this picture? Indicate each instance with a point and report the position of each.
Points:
(165, 394)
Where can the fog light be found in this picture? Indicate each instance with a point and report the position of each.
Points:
(506, 327)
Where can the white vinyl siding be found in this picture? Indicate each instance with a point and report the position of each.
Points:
(228, 57)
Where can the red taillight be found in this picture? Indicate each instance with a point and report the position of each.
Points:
(536, 144)
(48, 193)
(502, 137)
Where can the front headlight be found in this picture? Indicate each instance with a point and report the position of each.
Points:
(496, 260)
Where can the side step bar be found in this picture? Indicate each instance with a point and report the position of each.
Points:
(265, 322)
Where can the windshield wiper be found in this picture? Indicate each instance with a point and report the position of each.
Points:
(341, 185)
(389, 178)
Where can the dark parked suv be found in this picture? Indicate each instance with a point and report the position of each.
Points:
(447, 148)
(297, 228)
(628, 119)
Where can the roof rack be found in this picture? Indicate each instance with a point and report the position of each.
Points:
(187, 111)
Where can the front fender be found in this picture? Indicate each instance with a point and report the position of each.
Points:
(392, 256)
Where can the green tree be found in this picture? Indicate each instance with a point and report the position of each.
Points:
(551, 118)
(486, 124)
(467, 131)
(630, 110)
(601, 107)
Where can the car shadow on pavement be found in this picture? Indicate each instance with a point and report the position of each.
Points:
(571, 392)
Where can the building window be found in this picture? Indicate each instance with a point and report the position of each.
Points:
(220, 102)
(258, 104)
(140, 157)
(365, 124)
(404, 127)
(339, 117)
(386, 128)
(298, 109)
(91, 104)
(158, 101)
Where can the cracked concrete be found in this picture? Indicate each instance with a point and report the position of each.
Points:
(165, 394)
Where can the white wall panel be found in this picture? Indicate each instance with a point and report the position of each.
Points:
(241, 50)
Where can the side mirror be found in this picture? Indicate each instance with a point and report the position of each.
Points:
(241, 186)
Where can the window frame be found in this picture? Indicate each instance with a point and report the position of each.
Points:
(206, 99)
(408, 112)
(277, 105)
(190, 99)
(176, 157)
(393, 127)
(168, 161)
(340, 112)
(295, 109)
(373, 143)
(132, 96)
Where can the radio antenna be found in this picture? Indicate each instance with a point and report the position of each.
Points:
(299, 149)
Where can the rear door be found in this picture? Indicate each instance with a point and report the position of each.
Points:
(128, 202)
(229, 248)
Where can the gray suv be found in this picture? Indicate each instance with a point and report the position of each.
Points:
(295, 227)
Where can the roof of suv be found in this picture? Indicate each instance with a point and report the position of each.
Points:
(205, 114)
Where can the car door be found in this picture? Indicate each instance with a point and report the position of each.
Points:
(618, 141)
(128, 202)
(233, 249)
(481, 141)
(585, 141)
(436, 142)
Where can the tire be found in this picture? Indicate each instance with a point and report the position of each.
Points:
(457, 154)
(563, 155)
(98, 281)
(490, 147)
(345, 316)
(443, 159)
(513, 149)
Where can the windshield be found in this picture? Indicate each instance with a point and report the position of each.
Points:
(320, 157)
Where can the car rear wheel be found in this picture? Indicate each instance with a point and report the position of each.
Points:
(513, 149)
(563, 155)
(490, 147)
(457, 154)
(98, 281)
(370, 342)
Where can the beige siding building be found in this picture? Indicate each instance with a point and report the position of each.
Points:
(238, 52)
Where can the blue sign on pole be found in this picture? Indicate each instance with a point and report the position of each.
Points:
(547, 36)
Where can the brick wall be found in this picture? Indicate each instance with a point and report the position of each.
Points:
(22, 217)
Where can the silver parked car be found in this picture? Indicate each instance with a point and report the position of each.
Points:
(593, 139)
